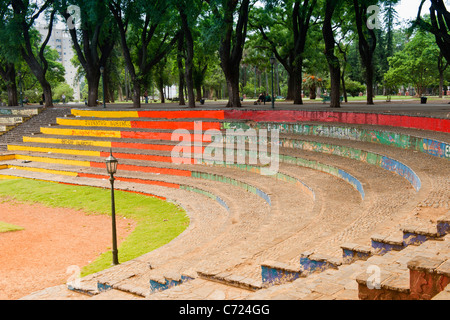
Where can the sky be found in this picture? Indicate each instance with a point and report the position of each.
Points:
(408, 9)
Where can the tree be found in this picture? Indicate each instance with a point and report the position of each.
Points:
(416, 65)
(233, 34)
(330, 45)
(93, 40)
(367, 41)
(294, 16)
(439, 25)
(146, 37)
(24, 16)
(8, 58)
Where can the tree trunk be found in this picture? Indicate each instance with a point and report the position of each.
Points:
(161, 90)
(181, 73)
(47, 89)
(333, 61)
(12, 95)
(199, 93)
(291, 89)
(366, 49)
(344, 90)
(369, 81)
(232, 47)
(136, 94)
(234, 99)
(189, 59)
(8, 75)
(93, 84)
(297, 85)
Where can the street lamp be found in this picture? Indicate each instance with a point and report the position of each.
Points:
(20, 86)
(272, 62)
(111, 168)
(102, 70)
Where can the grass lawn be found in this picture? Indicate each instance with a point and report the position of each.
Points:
(6, 227)
(158, 222)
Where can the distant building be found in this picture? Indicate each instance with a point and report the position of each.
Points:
(62, 42)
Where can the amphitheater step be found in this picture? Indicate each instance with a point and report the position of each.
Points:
(26, 112)
(158, 284)
(387, 286)
(311, 262)
(443, 225)
(40, 118)
(352, 252)
(276, 273)
(381, 244)
(230, 279)
(414, 235)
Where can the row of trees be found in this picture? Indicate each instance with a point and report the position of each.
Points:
(136, 38)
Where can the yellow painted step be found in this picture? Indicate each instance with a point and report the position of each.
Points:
(81, 132)
(79, 163)
(54, 150)
(42, 170)
(93, 123)
(74, 142)
(105, 114)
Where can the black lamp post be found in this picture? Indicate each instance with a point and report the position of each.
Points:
(20, 86)
(111, 168)
(102, 71)
(272, 62)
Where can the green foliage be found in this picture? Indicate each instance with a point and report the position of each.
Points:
(63, 89)
(416, 65)
(6, 227)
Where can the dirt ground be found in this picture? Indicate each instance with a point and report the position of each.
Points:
(53, 246)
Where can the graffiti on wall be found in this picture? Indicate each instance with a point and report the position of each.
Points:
(432, 147)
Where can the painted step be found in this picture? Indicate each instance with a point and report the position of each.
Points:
(433, 143)
(120, 133)
(140, 124)
(12, 120)
(6, 127)
(382, 244)
(170, 180)
(230, 279)
(443, 225)
(51, 163)
(25, 112)
(131, 154)
(416, 235)
(134, 144)
(158, 284)
(78, 158)
(352, 252)
(157, 114)
(426, 277)
(359, 118)
(315, 262)
(385, 286)
(277, 273)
